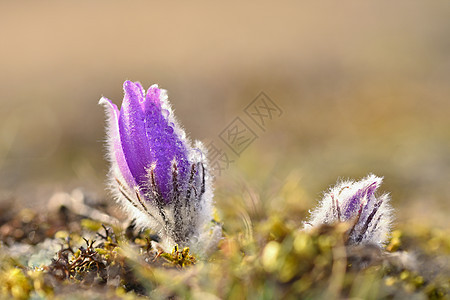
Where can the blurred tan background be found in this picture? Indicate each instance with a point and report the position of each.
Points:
(364, 88)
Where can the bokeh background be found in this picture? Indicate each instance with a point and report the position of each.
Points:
(364, 87)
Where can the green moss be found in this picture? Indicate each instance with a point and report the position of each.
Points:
(261, 256)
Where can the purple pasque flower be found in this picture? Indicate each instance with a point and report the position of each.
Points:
(357, 202)
(156, 174)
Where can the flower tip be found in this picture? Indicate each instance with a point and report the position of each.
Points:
(127, 84)
(133, 90)
(153, 94)
(153, 87)
(373, 179)
(105, 101)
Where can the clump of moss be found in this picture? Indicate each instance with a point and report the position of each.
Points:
(15, 283)
(180, 258)
(260, 256)
(20, 282)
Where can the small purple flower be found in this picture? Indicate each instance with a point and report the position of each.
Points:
(156, 174)
(356, 201)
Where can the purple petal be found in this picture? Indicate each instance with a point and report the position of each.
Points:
(139, 89)
(371, 189)
(133, 133)
(115, 146)
(370, 195)
(166, 146)
(354, 203)
(153, 94)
